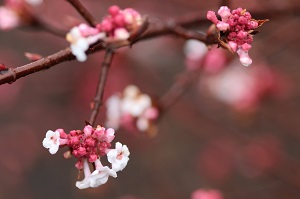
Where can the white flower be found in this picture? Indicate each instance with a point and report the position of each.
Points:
(51, 141)
(100, 176)
(113, 111)
(118, 157)
(8, 18)
(80, 44)
(85, 183)
(194, 49)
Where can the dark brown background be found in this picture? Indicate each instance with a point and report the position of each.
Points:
(200, 143)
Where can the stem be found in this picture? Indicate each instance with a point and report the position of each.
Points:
(83, 12)
(98, 100)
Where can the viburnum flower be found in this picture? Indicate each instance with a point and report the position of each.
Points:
(236, 29)
(243, 89)
(81, 37)
(120, 24)
(132, 110)
(51, 141)
(117, 26)
(118, 157)
(88, 146)
(100, 176)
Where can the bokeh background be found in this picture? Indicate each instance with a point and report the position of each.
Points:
(202, 143)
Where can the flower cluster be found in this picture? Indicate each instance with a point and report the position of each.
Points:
(131, 110)
(16, 12)
(236, 30)
(117, 26)
(88, 146)
(245, 89)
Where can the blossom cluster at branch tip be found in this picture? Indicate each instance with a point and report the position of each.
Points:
(16, 12)
(117, 26)
(236, 30)
(132, 110)
(88, 146)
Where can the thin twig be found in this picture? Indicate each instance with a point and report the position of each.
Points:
(98, 100)
(184, 21)
(83, 12)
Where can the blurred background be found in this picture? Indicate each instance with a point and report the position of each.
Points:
(246, 144)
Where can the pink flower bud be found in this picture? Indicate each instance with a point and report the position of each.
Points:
(151, 113)
(211, 15)
(109, 133)
(120, 20)
(93, 158)
(222, 26)
(90, 142)
(81, 151)
(246, 47)
(107, 24)
(232, 45)
(88, 130)
(224, 12)
(79, 165)
(74, 141)
(62, 133)
(114, 10)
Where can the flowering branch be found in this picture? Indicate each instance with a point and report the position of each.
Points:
(12, 74)
(98, 100)
(83, 12)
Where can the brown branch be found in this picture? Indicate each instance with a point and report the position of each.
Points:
(153, 31)
(98, 100)
(83, 12)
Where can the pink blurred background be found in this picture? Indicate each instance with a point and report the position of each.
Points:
(201, 142)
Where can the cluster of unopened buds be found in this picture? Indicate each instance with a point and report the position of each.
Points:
(88, 146)
(132, 110)
(117, 26)
(236, 30)
(16, 12)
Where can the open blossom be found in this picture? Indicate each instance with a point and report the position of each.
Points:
(237, 27)
(88, 146)
(118, 157)
(100, 176)
(117, 26)
(51, 141)
(132, 110)
(81, 37)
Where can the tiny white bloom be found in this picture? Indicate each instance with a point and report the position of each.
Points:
(100, 176)
(8, 18)
(85, 183)
(51, 141)
(118, 157)
(80, 44)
